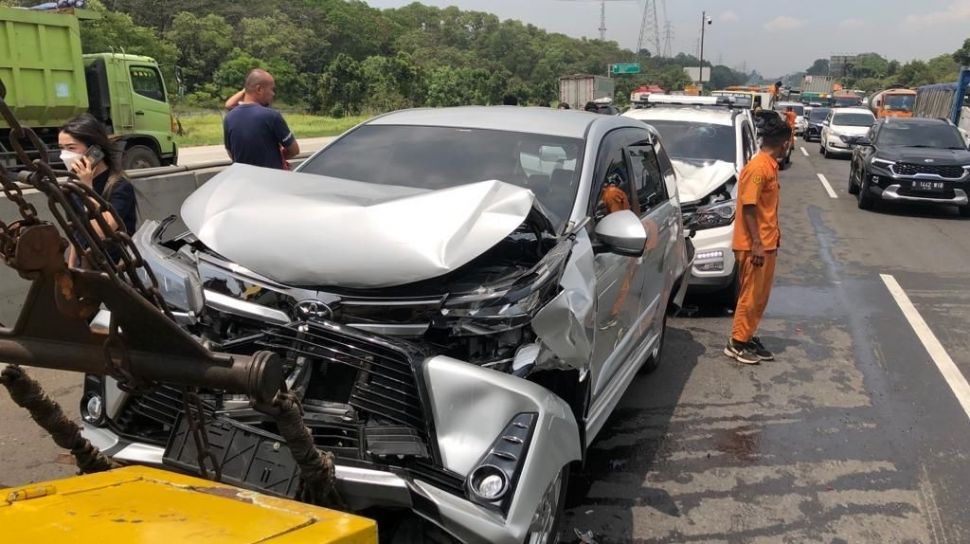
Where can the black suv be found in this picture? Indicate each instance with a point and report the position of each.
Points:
(815, 118)
(911, 160)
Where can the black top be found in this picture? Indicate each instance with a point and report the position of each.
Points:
(253, 134)
(122, 199)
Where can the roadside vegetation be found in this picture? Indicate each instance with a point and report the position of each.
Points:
(205, 128)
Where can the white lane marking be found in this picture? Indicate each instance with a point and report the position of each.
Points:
(957, 382)
(803, 151)
(828, 188)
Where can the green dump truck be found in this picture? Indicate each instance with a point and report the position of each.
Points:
(48, 81)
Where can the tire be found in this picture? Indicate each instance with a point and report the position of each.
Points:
(964, 211)
(866, 200)
(553, 503)
(825, 152)
(653, 360)
(853, 188)
(139, 156)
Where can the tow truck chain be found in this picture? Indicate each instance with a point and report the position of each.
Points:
(95, 248)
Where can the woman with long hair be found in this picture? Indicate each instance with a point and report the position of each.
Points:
(86, 151)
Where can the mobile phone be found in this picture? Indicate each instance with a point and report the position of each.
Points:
(94, 155)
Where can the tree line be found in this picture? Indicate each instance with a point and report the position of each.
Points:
(872, 72)
(342, 57)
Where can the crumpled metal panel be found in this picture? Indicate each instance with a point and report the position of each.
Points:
(304, 229)
(695, 182)
(566, 324)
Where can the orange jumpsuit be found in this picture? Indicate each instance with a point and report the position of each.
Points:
(757, 186)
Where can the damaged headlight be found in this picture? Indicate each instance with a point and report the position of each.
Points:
(715, 215)
(178, 281)
(516, 302)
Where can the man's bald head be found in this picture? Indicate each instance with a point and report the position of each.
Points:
(260, 87)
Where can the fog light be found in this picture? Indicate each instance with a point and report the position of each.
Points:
(93, 409)
(710, 267)
(489, 483)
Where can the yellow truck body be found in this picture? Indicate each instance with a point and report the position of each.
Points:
(141, 505)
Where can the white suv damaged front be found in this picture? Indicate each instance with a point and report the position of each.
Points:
(411, 371)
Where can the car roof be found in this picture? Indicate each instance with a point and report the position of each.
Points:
(914, 121)
(529, 120)
(852, 110)
(714, 116)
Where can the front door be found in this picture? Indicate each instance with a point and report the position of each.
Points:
(619, 279)
(151, 109)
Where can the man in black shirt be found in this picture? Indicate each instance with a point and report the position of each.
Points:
(254, 133)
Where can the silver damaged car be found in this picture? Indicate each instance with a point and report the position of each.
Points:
(461, 297)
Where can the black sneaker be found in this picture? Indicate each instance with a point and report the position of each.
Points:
(759, 348)
(741, 352)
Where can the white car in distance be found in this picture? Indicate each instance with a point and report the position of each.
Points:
(841, 126)
(709, 141)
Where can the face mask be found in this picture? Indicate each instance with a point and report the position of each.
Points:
(69, 157)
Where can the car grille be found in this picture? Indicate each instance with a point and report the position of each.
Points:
(151, 416)
(387, 387)
(909, 169)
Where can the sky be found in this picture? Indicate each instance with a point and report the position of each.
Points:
(775, 37)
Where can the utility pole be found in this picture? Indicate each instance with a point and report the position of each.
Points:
(603, 21)
(705, 20)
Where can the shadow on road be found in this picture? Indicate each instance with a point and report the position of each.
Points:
(631, 445)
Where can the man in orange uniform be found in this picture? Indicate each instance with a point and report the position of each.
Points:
(790, 118)
(757, 237)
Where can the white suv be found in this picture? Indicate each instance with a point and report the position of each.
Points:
(708, 145)
(841, 126)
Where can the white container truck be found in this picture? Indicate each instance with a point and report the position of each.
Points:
(577, 90)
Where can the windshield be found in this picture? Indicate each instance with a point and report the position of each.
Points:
(942, 136)
(899, 102)
(442, 157)
(818, 114)
(848, 101)
(697, 142)
(853, 119)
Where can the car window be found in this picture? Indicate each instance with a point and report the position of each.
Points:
(667, 169)
(146, 81)
(853, 119)
(910, 134)
(612, 175)
(647, 177)
(747, 141)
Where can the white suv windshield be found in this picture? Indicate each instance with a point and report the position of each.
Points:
(853, 120)
(697, 142)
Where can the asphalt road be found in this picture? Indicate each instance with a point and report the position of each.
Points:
(852, 435)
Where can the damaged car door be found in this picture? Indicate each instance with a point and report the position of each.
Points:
(620, 279)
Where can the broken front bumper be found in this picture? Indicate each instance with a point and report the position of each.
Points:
(470, 408)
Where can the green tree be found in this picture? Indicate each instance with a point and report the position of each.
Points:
(274, 37)
(818, 68)
(962, 56)
(203, 43)
(341, 89)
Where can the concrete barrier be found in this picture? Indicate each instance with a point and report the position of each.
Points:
(160, 193)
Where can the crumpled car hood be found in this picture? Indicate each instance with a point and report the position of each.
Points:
(309, 230)
(694, 182)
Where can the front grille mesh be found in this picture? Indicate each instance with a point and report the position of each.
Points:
(910, 169)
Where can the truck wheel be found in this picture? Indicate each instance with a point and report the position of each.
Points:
(139, 156)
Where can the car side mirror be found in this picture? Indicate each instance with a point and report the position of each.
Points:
(825, 123)
(622, 233)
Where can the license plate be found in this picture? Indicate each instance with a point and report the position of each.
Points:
(930, 186)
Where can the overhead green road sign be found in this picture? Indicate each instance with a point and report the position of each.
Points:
(625, 68)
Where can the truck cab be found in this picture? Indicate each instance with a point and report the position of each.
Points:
(127, 93)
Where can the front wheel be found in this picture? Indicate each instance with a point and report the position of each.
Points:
(139, 156)
(548, 516)
(653, 361)
(853, 188)
(866, 200)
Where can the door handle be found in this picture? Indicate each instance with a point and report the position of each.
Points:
(139, 112)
